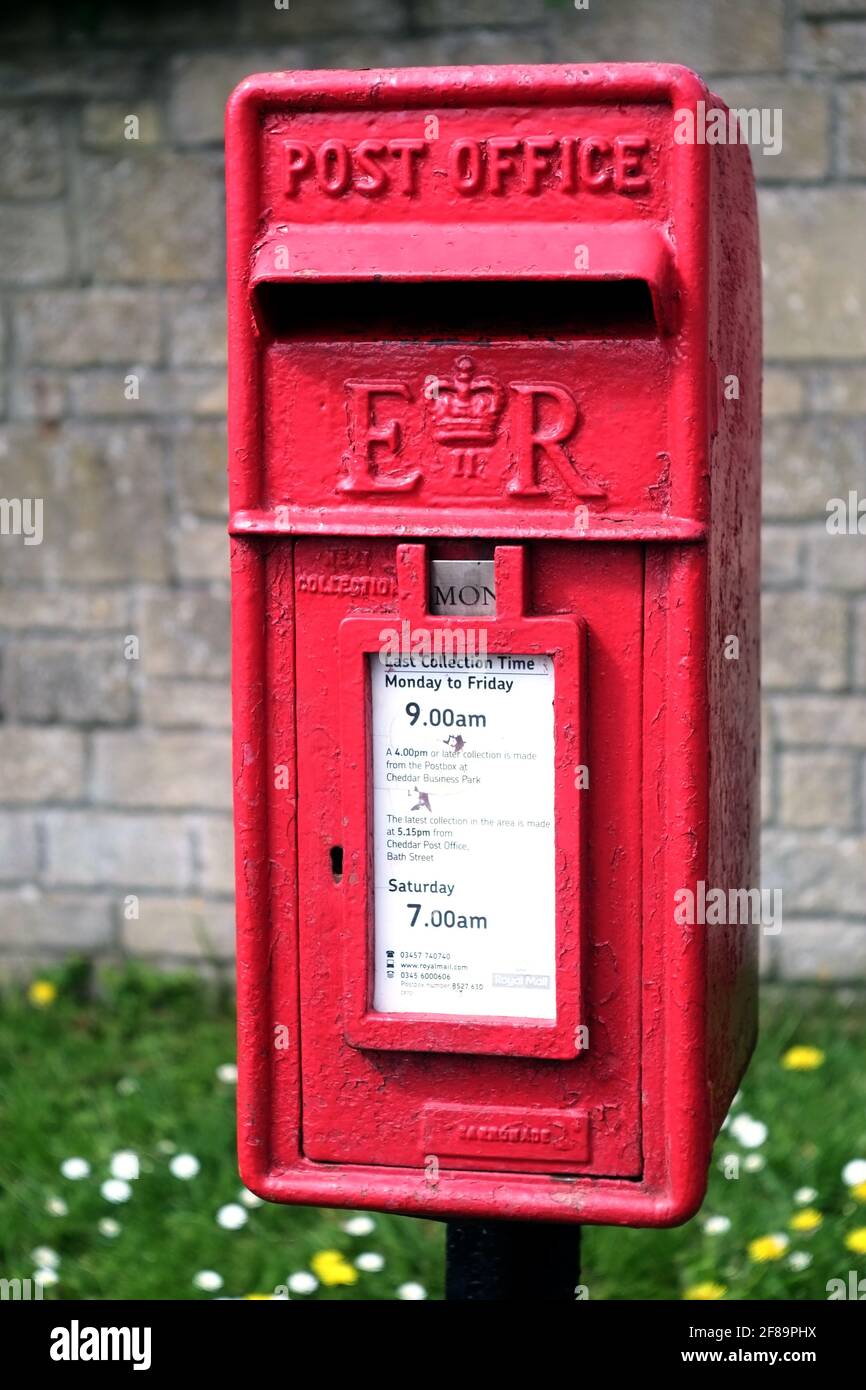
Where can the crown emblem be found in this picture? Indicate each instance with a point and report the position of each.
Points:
(466, 408)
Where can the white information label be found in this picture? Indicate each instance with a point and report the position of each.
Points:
(463, 785)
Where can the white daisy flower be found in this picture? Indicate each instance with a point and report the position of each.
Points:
(45, 1277)
(799, 1259)
(45, 1257)
(753, 1163)
(125, 1165)
(116, 1190)
(412, 1292)
(804, 1196)
(231, 1217)
(55, 1206)
(109, 1227)
(302, 1282)
(184, 1166)
(208, 1280)
(227, 1073)
(75, 1169)
(370, 1262)
(250, 1199)
(854, 1172)
(359, 1226)
(748, 1132)
(717, 1225)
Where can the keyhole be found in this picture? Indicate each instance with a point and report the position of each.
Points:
(337, 862)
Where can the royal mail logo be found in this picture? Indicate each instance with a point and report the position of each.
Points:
(463, 420)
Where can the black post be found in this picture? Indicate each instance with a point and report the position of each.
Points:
(493, 1261)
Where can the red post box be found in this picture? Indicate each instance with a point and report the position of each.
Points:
(494, 430)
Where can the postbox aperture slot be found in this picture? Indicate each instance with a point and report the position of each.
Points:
(455, 310)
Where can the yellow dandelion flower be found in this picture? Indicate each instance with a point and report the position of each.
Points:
(42, 993)
(859, 1192)
(258, 1297)
(803, 1059)
(766, 1248)
(806, 1220)
(327, 1257)
(856, 1241)
(703, 1293)
(332, 1268)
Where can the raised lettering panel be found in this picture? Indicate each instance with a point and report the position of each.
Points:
(521, 1135)
(591, 160)
(422, 424)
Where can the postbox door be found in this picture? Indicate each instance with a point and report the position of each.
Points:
(398, 1097)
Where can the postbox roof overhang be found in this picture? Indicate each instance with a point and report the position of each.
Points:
(468, 86)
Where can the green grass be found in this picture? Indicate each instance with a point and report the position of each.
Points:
(137, 1069)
